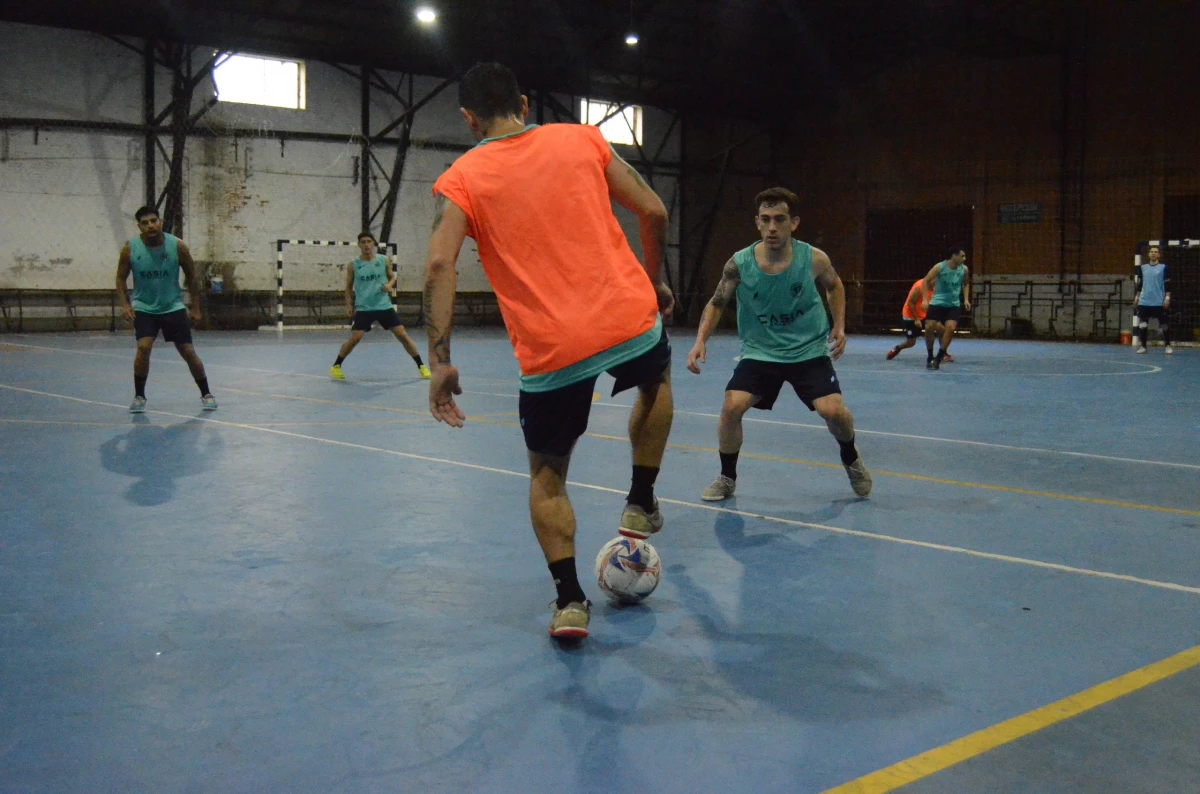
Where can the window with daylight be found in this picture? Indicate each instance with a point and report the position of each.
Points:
(252, 80)
(623, 127)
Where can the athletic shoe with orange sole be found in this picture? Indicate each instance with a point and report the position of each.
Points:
(570, 622)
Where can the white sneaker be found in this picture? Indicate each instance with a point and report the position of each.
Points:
(138, 406)
(721, 489)
(1141, 350)
(637, 523)
(1168, 351)
(208, 402)
(860, 478)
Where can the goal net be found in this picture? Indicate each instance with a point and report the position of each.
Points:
(310, 282)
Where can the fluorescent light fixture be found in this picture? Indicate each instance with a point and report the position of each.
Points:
(631, 39)
(426, 15)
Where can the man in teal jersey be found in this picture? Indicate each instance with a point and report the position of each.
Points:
(951, 285)
(782, 287)
(370, 285)
(155, 259)
(1152, 301)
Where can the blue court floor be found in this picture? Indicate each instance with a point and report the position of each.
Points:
(318, 588)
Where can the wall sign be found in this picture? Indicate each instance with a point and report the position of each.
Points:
(1020, 213)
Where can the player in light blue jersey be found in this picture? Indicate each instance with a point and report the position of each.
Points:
(1152, 301)
(782, 287)
(370, 285)
(155, 260)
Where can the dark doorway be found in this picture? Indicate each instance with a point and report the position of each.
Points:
(1181, 221)
(902, 244)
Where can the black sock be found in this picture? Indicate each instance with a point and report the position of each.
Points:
(941, 355)
(641, 492)
(339, 361)
(139, 387)
(729, 464)
(417, 358)
(849, 453)
(567, 582)
(929, 351)
(203, 384)
(1166, 335)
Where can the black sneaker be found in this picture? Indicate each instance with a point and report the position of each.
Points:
(929, 364)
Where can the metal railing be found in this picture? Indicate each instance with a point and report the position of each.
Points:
(1091, 308)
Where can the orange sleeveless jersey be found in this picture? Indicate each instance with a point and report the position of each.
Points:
(566, 280)
(926, 294)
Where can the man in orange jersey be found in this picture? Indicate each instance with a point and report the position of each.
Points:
(575, 300)
(913, 316)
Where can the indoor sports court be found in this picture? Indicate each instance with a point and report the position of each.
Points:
(316, 587)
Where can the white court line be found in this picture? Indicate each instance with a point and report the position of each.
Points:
(938, 439)
(1043, 450)
(1052, 566)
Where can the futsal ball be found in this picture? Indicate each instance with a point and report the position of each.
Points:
(627, 569)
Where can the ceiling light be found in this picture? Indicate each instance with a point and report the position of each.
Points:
(426, 15)
(631, 39)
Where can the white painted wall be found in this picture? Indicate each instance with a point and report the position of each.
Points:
(67, 197)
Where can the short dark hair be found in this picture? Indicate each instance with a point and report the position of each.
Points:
(956, 250)
(368, 235)
(778, 195)
(490, 91)
(143, 212)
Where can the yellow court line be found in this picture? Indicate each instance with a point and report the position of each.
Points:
(482, 418)
(856, 533)
(980, 742)
(339, 424)
(939, 480)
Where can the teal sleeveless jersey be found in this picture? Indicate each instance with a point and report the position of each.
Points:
(369, 278)
(781, 318)
(948, 288)
(156, 276)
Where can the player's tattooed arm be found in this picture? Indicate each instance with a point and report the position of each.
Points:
(441, 279)
(730, 278)
(439, 211)
(439, 337)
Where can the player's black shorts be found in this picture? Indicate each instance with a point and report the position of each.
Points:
(911, 329)
(174, 326)
(943, 314)
(1152, 313)
(812, 380)
(387, 319)
(554, 420)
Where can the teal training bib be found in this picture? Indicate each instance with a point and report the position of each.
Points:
(948, 288)
(156, 276)
(369, 278)
(781, 318)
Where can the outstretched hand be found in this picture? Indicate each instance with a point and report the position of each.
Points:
(443, 385)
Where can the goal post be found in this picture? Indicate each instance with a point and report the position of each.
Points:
(390, 250)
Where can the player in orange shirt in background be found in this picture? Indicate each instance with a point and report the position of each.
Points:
(913, 317)
(575, 300)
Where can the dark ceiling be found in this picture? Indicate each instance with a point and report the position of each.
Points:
(754, 59)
